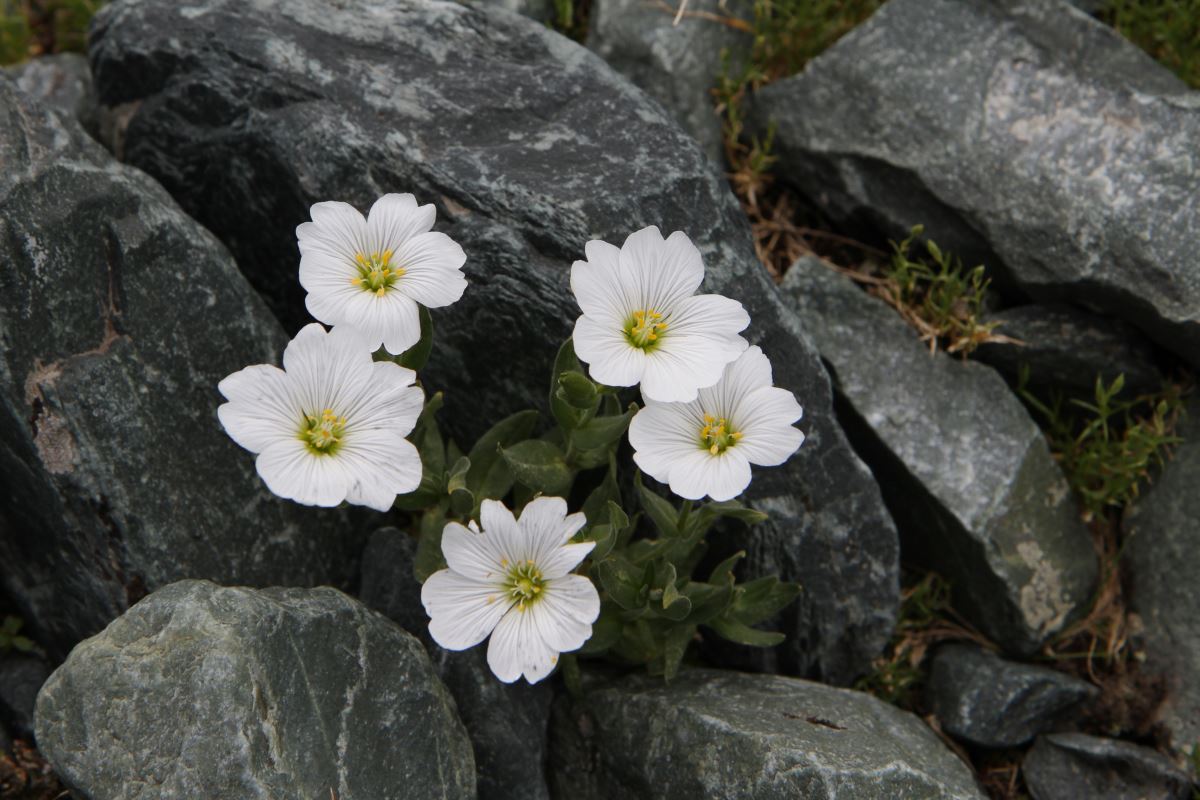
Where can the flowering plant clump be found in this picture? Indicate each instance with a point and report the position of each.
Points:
(501, 555)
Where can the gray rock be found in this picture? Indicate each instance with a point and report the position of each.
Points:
(1067, 766)
(1025, 135)
(1067, 347)
(119, 316)
(204, 691)
(62, 82)
(21, 676)
(965, 471)
(248, 132)
(723, 734)
(1162, 559)
(507, 723)
(540, 10)
(677, 65)
(982, 699)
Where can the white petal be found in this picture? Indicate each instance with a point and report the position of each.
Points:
(473, 555)
(499, 523)
(666, 271)
(432, 264)
(663, 433)
(610, 358)
(396, 218)
(262, 407)
(387, 402)
(546, 526)
(701, 339)
(325, 368)
(397, 317)
(768, 438)
(574, 596)
(293, 472)
(336, 228)
(462, 612)
(561, 560)
(597, 285)
(517, 649)
(380, 465)
(721, 477)
(561, 616)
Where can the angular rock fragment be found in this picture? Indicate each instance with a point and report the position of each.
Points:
(964, 469)
(724, 734)
(1065, 766)
(118, 318)
(1025, 135)
(247, 130)
(204, 691)
(982, 699)
(1162, 557)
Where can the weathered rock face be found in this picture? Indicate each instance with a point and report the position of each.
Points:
(21, 676)
(118, 317)
(982, 699)
(1068, 765)
(62, 82)
(204, 691)
(724, 734)
(540, 10)
(507, 723)
(1162, 556)
(964, 469)
(248, 130)
(677, 65)
(1066, 348)
(1025, 135)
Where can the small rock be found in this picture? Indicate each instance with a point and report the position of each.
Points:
(1162, 556)
(982, 699)
(21, 676)
(204, 691)
(421, 99)
(965, 471)
(117, 477)
(540, 10)
(1066, 766)
(1067, 347)
(62, 82)
(713, 733)
(1025, 135)
(677, 65)
(507, 723)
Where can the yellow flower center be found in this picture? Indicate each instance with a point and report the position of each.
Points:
(716, 436)
(323, 434)
(643, 328)
(524, 584)
(375, 272)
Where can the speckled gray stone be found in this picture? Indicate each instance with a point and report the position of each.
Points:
(723, 734)
(965, 470)
(1162, 556)
(118, 317)
(507, 723)
(1024, 135)
(1071, 766)
(21, 676)
(61, 81)
(985, 700)
(204, 691)
(1066, 348)
(677, 65)
(530, 145)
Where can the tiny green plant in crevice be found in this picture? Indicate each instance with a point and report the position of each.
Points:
(571, 18)
(11, 638)
(37, 27)
(1107, 445)
(1169, 30)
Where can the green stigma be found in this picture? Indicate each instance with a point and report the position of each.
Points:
(375, 272)
(643, 329)
(322, 435)
(524, 584)
(717, 436)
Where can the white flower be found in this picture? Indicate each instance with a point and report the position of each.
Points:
(330, 425)
(642, 320)
(513, 580)
(706, 447)
(370, 274)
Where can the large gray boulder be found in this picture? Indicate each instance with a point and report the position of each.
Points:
(1024, 135)
(1066, 766)
(713, 733)
(204, 691)
(965, 470)
(1162, 556)
(676, 64)
(530, 145)
(61, 81)
(119, 316)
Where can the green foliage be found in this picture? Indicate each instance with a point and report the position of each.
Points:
(16, 38)
(936, 295)
(570, 18)
(10, 638)
(1169, 30)
(1108, 445)
(33, 27)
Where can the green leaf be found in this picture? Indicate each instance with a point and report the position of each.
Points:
(661, 513)
(675, 644)
(723, 572)
(539, 465)
(675, 606)
(601, 432)
(623, 581)
(707, 601)
(732, 509)
(606, 630)
(578, 391)
(429, 557)
(489, 476)
(428, 439)
(595, 507)
(566, 415)
(762, 598)
(590, 459)
(605, 538)
(741, 633)
(415, 357)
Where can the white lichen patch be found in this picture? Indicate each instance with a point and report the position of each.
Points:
(1042, 599)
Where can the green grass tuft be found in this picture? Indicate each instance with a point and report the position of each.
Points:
(1169, 30)
(31, 28)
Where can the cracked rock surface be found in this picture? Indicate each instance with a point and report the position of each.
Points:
(118, 317)
(204, 691)
(965, 470)
(714, 734)
(530, 146)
